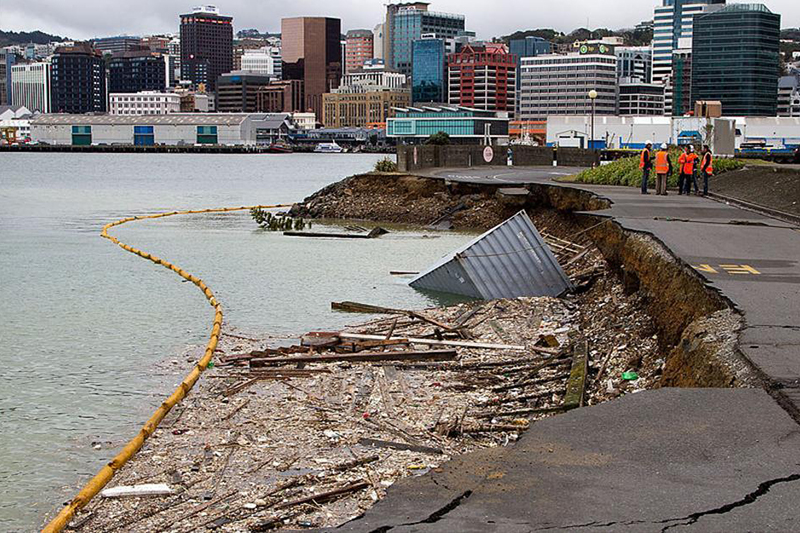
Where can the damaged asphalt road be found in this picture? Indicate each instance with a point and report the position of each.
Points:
(664, 460)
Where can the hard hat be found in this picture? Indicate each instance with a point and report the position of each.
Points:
(663, 146)
(648, 142)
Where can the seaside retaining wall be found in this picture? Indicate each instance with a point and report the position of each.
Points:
(420, 157)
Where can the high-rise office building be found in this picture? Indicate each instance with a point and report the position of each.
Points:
(7, 60)
(634, 64)
(483, 77)
(262, 61)
(528, 47)
(133, 72)
(312, 52)
(406, 23)
(673, 24)
(280, 97)
(118, 44)
(789, 96)
(560, 85)
(736, 59)
(206, 46)
(359, 48)
(30, 86)
(429, 71)
(78, 80)
(378, 44)
(237, 91)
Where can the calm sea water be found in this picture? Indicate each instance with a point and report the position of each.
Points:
(85, 328)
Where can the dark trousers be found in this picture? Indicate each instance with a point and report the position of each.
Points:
(683, 183)
(691, 181)
(645, 179)
(705, 183)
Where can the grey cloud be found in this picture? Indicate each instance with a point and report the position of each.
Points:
(90, 18)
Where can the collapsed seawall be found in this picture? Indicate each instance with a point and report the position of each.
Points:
(697, 326)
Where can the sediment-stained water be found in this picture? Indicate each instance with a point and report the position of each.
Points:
(93, 338)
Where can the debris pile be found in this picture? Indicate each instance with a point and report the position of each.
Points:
(311, 432)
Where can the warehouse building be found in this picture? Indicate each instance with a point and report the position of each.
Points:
(227, 129)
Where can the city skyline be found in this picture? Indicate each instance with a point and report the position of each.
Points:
(155, 17)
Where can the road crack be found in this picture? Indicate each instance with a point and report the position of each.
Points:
(433, 517)
(750, 498)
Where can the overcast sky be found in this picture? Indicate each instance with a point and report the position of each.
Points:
(83, 19)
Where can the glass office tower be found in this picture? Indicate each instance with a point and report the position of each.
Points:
(736, 59)
(428, 71)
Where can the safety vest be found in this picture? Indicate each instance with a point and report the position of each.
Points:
(662, 162)
(644, 159)
(708, 161)
(687, 163)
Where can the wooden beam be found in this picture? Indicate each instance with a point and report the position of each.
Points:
(438, 355)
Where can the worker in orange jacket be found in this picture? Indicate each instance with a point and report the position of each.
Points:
(706, 167)
(646, 164)
(686, 162)
(663, 170)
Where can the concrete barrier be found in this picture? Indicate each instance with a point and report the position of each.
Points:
(411, 158)
(577, 157)
(527, 156)
(420, 157)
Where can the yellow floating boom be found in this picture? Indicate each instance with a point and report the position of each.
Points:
(99, 481)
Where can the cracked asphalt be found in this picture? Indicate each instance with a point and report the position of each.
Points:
(663, 460)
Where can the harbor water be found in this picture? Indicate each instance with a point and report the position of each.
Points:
(94, 338)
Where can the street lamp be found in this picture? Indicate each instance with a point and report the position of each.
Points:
(593, 98)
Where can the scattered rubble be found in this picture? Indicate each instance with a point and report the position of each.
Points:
(310, 432)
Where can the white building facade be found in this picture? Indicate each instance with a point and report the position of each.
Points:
(30, 86)
(144, 103)
(265, 61)
(369, 80)
(558, 84)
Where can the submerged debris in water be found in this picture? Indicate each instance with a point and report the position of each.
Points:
(279, 222)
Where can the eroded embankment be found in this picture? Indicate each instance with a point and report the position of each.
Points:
(697, 327)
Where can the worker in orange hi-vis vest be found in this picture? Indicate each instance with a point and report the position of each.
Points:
(686, 162)
(646, 164)
(706, 167)
(663, 170)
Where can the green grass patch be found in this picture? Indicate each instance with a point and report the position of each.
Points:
(626, 171)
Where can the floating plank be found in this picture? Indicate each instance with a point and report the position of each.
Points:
(432, 342)
(156, 489)
(356, 307)
(438, 355)
(326, 235)
(400, 446)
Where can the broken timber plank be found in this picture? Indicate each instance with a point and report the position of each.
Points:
(323, 497)
(399, 446)
(432, 342)
(576, 385)
(329, 235)
(441, 355)
(356, 307)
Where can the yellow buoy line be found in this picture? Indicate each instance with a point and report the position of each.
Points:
(99, 481)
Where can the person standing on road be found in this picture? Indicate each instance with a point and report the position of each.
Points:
(646, 164)
(663, 170)
(686, 162)
(706, 167)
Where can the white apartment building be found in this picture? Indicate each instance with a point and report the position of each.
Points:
(557, 84)
(369, 80)
(673, 25)
(265, 61)
(30, 86)
(144, 103)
